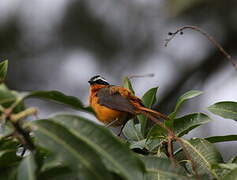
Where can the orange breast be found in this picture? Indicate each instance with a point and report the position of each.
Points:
(107, 115)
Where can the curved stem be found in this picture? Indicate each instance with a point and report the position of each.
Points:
(209, 37)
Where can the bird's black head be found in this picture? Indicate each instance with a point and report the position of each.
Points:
(98, 80)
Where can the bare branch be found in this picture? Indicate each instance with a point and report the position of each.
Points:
(209, 37)
(141, 76)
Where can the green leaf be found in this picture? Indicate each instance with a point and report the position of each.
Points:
(74, 152)
(79, 141)
(8, 173)
(182, 99)
(155, 137)
(154, 145)
(59, 97)
(157, 132)
(231, 176)
(217, 139)
(132, 132)
(51, 167)
(8, 98)
(229, 166)
(186, 123)
(148, 99)
(138, 144)
(233, 159)
(8, 144)
(57, 172)
(117, 157)
(225, 109)
(8, 157)
(203, 154)
(6, 129)
(128, 85)
(224, 168)
(27, 168)
(3, 70)
(159, 168)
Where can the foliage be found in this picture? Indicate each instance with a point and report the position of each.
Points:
(68, 146)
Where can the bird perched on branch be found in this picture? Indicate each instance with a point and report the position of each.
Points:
(114, 105)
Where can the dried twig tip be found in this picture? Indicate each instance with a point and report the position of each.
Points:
(209, 37)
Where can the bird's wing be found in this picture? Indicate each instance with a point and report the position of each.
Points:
(116, 98)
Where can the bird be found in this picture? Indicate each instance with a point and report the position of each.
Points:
(115, 105)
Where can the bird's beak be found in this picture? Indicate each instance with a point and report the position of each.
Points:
(90, 82)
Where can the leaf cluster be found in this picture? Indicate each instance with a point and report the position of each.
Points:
(67, 146)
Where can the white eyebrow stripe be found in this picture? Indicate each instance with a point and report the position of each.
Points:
(99, 78)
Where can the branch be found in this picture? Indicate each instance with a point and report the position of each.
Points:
(141, 76)
(209, 37)
(23, 114)
(21, 134)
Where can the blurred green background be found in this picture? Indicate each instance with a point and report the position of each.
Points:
(60, 44)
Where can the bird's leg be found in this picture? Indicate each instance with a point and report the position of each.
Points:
(111, 123)
(121, 129)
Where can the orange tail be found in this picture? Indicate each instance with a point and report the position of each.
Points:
(154, 113)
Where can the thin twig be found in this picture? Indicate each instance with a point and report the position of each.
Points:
(141, 76)
(171, 150)
(209, 37)
(111, 123)
(23, 114)
(22, 135)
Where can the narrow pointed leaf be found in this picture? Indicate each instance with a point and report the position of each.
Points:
(217, 139)
(203, 154)
(182, 99)
(233, 159)
(155, 136)
(132, 132)
(138, 144)
(128, 85)
(3, 70)
(116, 155)
(8, 149)
(159, 168)
(6, 129)
(154, 145)
(157, 132)
(27, 168)
(8, 98)
(8, 158)
(225, 109)
(232, 175)
(148, 99)
(229, 166)
(224, 168)
(57, 172)
(74, 152)
(186, 123)
(59, 97)
(51, 167)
